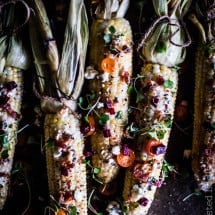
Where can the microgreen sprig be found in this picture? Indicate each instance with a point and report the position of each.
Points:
(133, 88)
(91, 208)
(57, 206)
(197, 192)
(94, 170)
(166, 169)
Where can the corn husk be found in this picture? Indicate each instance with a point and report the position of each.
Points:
(43, 23)
(70, 75)
(68, 80)
(168, 31)
(12, 46)
(109, 9)
(44, 77)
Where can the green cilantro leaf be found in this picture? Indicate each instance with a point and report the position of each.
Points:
(130, 89)
(160, 134)
(50, 143)
(119, 114)
(103, 119)
(73, 211)
(96, 170)
(4, 154)
(112, 29)
(168, 84)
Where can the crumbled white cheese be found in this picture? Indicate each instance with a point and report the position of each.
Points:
(78, 195)
(113, 208)
(57, 153)
(115, 150)
(156, 68)
(104, 76)
(90, 73)
(138, 191)
(100, 105)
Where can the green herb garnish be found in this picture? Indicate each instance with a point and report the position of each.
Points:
(112, 29)
(166, 169)
(168, 84)
(50, 143)
(119, 114)
(73, 211)
(197, 192)
(160, 134)
(94, 171)
(103, 119)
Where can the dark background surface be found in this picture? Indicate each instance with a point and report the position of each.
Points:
(28, 192)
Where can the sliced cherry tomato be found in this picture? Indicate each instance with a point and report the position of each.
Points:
(142, 171)
(151, 146)
(108, 65)
(88, 128)
(61, 212)
(91, 122)
(126, 160)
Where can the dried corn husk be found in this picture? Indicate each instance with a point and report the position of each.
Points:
(70, 75)
(46, 34)
(168, 32)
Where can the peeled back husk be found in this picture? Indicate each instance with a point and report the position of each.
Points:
(173, 54)
(112, 9)
(167, 32)
(18, 56)
(70, 75)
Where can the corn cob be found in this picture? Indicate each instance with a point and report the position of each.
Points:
(14, 59)
(203, 150)
(63, 140)
(109, 73)
(162, 51)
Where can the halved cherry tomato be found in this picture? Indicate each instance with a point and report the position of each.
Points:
(91, 122)
(126, 160)
(152, 144)
(108, 65)
(61, 212)
(88, 128)
(142, 171)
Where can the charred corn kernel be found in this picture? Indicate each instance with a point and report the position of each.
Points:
(141, 183)
(113, 61)
(11, 89)
(154, 111)
(14, 60)
(203, 154)
(64, 155)
(64, 143)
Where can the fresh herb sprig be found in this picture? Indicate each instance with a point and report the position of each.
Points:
(94, 171)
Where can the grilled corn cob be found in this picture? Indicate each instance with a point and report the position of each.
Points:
(14, 59)
(63, 140)
(109, 73)
(203, 150)
(162, 51)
